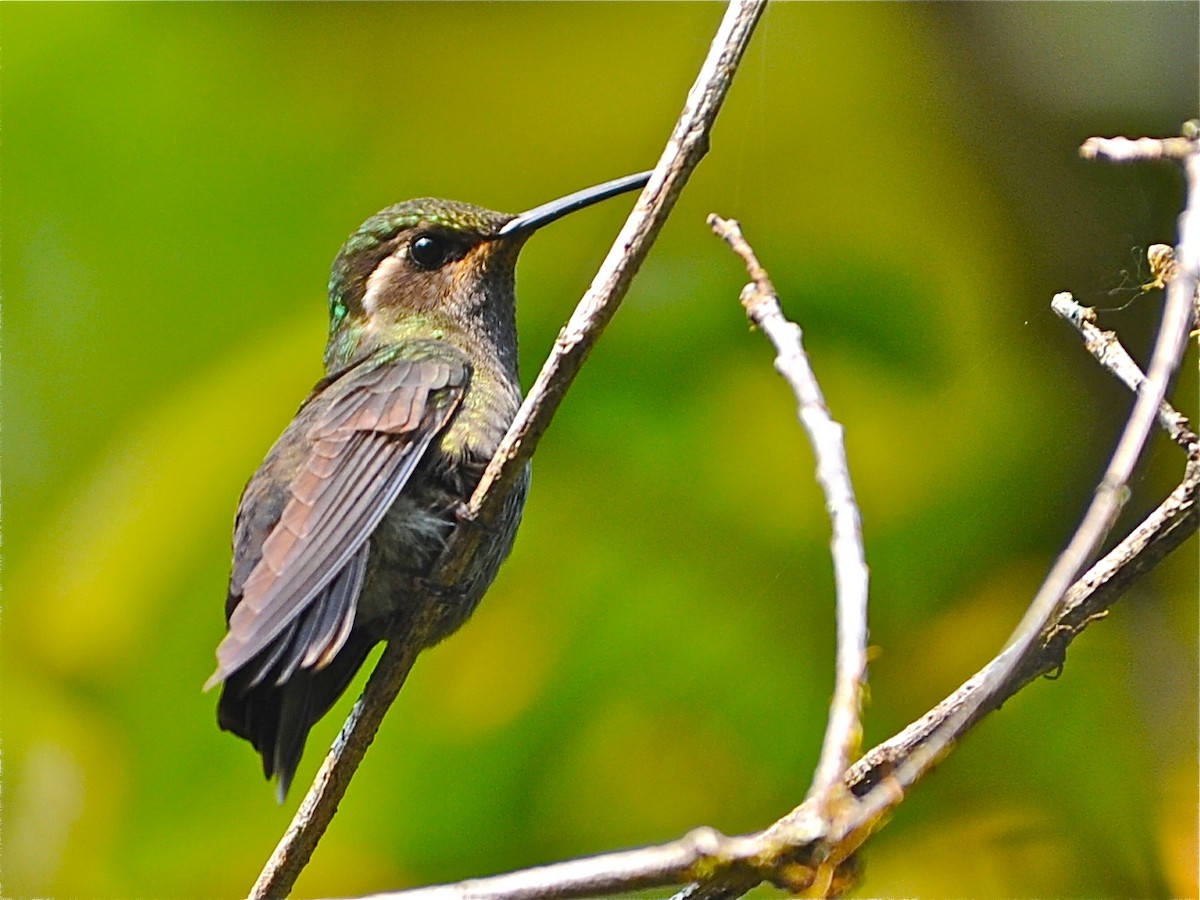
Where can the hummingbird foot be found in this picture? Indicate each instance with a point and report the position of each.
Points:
(463, 514)
(465, 519)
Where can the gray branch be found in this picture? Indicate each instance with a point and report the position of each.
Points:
(1112, 355)
(1046, 607)
(844, 731)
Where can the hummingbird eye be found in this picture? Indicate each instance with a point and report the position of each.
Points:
(429, 251)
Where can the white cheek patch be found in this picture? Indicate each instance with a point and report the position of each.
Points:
(380, 279)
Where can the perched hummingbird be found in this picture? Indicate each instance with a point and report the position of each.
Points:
(353, 505)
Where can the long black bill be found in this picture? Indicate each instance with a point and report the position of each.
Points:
(556, 209)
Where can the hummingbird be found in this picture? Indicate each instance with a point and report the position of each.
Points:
(347, 515)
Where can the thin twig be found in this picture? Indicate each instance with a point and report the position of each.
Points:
(1111, 492)
(1112, 355)
(685, 148)
(1128, 150)
(329, 785)
(843, 733)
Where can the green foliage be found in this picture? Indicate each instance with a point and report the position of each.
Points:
(657, 653)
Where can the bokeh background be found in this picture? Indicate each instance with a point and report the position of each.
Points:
(657, 652)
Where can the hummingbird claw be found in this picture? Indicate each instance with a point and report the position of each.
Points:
(463, 514)
(465, 518)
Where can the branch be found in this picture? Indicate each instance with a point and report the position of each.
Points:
(1125, 150)
(1109, 352)
(1089, 598)
(844, 731)
(685, 148)
(1046, 607)
(1173, 522)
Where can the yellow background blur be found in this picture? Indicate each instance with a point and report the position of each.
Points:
(657, 652)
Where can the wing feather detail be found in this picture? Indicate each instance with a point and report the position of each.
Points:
(364, 434)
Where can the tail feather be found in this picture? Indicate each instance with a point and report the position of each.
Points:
(276, 719)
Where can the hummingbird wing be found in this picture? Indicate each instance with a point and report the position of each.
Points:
(358, 440)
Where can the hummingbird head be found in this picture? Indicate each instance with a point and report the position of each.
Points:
(432, 267)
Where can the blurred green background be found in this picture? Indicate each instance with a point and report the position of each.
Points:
(657, 652)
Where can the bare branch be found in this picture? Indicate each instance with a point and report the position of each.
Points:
(317, 808)
(1109, 352)
(1125, 150)
(1111, 492)
(844, 731)
(685, 148)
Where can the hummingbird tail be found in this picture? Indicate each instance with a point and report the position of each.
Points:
(276, 718)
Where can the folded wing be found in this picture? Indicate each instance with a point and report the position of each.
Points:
(364, 435)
